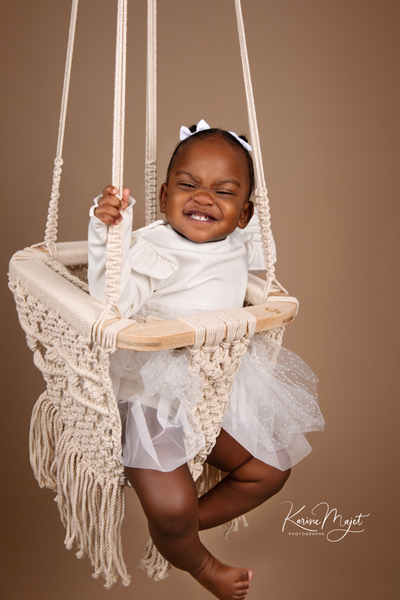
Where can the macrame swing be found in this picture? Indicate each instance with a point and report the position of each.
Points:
(75, 436)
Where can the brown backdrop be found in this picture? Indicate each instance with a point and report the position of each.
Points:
(325, 76)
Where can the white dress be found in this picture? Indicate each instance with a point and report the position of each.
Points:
(272, 403)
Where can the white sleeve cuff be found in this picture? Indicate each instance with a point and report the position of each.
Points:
(92, 209)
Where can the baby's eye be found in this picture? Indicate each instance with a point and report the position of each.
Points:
(187, 185)
(224, 192)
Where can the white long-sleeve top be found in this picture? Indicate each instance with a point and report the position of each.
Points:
(165, 274)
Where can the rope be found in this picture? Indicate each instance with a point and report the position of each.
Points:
(52, 215)
(114, 240)
(113, 264)
(119, 97)
(261, 192)
(151, 114)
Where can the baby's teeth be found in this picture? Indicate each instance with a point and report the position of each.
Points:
(199, 218)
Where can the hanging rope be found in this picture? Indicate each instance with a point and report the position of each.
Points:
(113, 264)
(119, 97)
(261, 192)
(151, 114)
(114, 250)
(114, 241)
(52, 215)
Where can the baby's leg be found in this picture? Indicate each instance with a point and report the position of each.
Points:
(250, 483)
(170, 503)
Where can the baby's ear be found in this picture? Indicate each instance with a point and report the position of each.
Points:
(163, 197)
(247, 213)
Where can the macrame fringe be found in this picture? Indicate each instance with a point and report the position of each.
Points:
(233, 526)
(46, 427)
(209, 477)
(155, 565)
(91, 506)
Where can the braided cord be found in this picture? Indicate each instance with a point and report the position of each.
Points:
(114, 240)
(261, 192)
(151, 114)
(52, 215)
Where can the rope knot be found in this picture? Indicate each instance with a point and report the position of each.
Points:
(261, 192)
(58, 162)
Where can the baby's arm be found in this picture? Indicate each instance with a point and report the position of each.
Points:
(135, 289)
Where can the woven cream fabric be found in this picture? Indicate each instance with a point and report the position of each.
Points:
(75, 438)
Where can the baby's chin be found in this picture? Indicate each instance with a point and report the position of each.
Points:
(198, 237)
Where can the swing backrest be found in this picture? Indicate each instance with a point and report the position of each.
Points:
(271, 313)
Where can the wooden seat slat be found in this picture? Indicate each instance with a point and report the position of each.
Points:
(169, 334)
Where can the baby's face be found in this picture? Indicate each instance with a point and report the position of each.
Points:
(205, 198)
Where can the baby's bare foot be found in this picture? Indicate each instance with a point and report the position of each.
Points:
(226, 583)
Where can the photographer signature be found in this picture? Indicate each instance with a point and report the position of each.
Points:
(324, 519)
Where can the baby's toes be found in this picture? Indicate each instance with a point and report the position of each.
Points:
(239, 595)
(242, 586)
(246, 576)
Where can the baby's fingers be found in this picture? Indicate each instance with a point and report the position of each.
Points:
(110, 200)
(125, 197)
(110, 189)
(108, 214)
(109, 206)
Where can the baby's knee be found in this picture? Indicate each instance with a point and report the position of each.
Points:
(169, 499)
(273, 480)
(174, 515)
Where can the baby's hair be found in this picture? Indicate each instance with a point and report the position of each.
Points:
(216, 133)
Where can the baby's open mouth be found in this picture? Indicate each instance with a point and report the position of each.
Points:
(200, 216)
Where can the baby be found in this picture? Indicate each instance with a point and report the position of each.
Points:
(198, 260)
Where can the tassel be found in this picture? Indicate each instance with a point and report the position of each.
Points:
(91, 505)
(233, 526)
(92, 509)
(208, 479)
(45, 430)
(155, 565)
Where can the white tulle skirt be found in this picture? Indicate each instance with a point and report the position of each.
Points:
(272, 405)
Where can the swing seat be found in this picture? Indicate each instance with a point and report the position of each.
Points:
(59, 290)
(75, 435)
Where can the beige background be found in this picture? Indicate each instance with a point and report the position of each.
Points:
(325, 76)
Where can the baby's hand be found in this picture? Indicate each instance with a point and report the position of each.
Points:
(109, 207)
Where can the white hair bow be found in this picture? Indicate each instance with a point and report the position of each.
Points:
(201, 126)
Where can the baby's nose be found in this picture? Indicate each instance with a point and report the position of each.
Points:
(204, 197)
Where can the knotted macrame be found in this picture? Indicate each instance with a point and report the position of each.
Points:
(75, 436)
